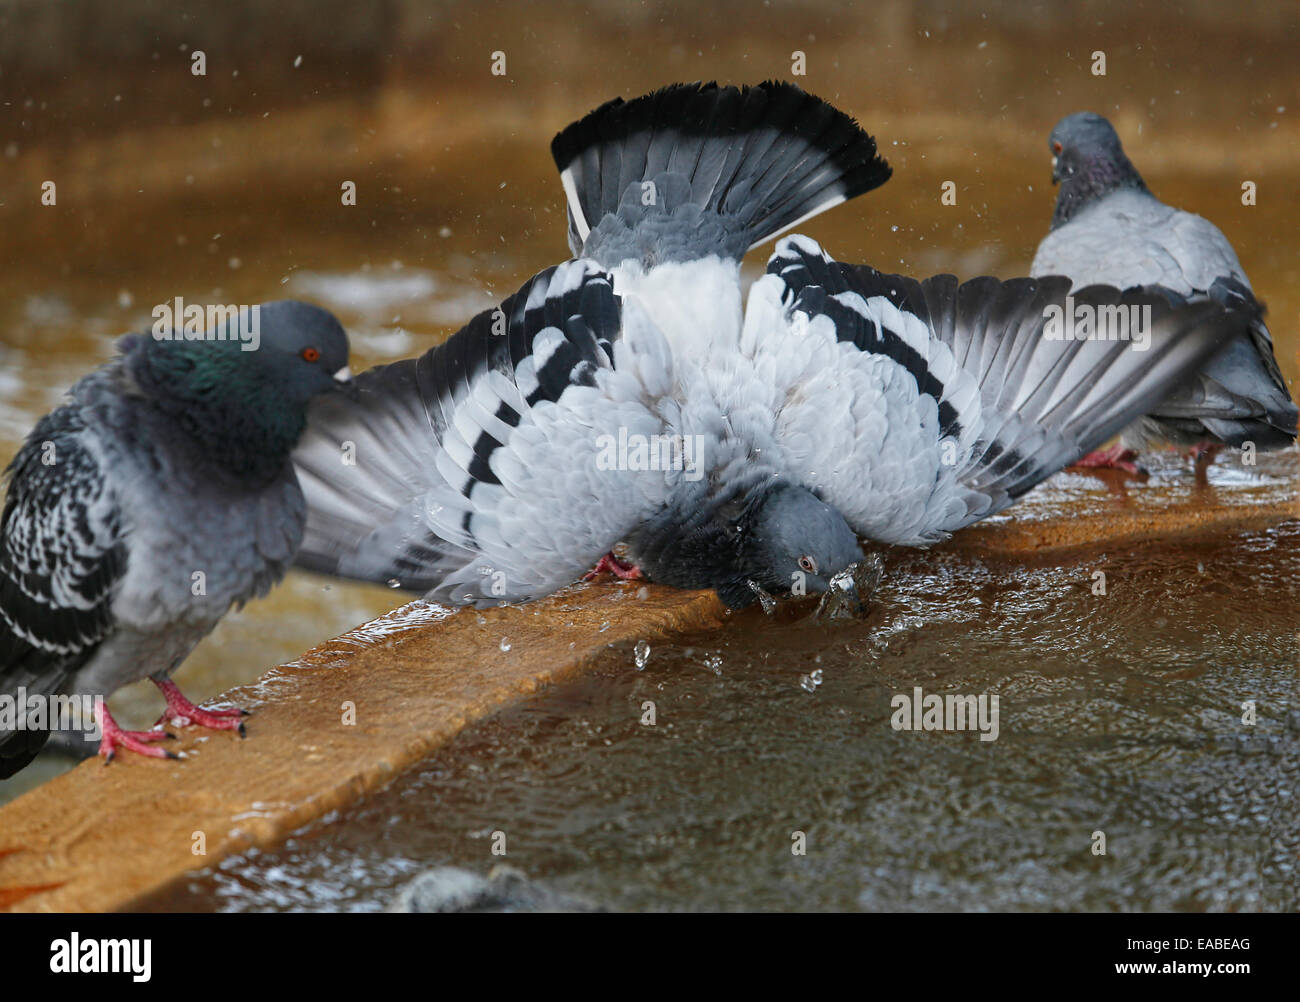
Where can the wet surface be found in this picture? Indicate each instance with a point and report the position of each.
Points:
(1119, 713)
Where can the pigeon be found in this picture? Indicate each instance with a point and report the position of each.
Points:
(627, 395)
(1109, 228)
(139, 512)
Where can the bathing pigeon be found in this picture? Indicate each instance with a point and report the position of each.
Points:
(1109, 228)
(626, 395)
(139, 512)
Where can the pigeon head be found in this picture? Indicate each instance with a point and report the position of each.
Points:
(1088, 162)
(303, 351)
(237, 393)
(793, 541)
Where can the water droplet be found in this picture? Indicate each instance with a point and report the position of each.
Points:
(394, 583)
(642, 654)
(713, 662)
(603, 627)
(767, 601)
(811, 681)
(505, 644)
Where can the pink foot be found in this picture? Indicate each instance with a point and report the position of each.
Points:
(140, 742)
(181, 712)
(1115, 458)
(611, 563)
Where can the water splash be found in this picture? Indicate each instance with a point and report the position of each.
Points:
(850, 591)
(767, 601)
(641, 654)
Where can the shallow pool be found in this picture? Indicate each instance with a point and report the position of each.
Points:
(1118, 715)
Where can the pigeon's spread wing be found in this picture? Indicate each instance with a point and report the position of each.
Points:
(919, 407)
(62, 555)
(488, 469)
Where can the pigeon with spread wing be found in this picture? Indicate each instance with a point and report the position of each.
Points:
(629, 395)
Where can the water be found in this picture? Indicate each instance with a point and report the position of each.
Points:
(1118, 714)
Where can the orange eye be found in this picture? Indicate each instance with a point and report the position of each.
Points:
(310, 354)
(808, 564)
(1056, 147)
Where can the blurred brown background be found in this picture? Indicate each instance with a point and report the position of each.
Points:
(221, 185)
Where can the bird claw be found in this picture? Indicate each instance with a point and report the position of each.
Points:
(1117, 457)
(140, 742)
(620, 569)
(181, 712)
(217, 720)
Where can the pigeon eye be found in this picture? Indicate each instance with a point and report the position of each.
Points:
(808, 564)
(1056, 147)
(310, 354)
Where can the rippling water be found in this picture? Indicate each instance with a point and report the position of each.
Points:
(1120, 714)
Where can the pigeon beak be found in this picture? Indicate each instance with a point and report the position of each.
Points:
(344, 384)
(1056, 174)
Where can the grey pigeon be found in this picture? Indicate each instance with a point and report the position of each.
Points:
(626, 395)
(1109, 228)
(139, 512)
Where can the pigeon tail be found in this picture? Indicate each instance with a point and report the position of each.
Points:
(1238, 399)
(1258, 408)
(697, 169)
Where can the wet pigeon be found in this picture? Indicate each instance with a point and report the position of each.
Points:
(139, 512)
(626, 396)
(1109, 228)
